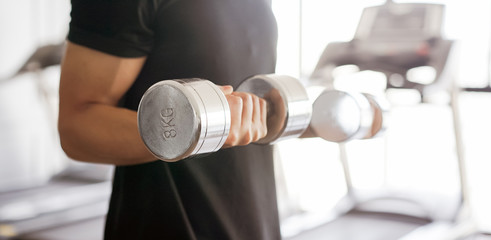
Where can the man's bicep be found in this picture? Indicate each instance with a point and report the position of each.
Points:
(93, 77)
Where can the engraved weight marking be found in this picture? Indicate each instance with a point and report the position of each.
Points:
(167, 116)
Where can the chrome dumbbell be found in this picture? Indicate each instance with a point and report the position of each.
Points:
(339, 116)
(181, 118)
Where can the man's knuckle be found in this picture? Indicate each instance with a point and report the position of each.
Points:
(232, 138)
(246, 138)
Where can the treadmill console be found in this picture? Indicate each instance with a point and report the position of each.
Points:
(402, 21)
(392, 38)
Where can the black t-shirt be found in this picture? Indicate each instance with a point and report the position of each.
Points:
(229, 194)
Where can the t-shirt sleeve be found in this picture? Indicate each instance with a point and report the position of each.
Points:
(117, 27)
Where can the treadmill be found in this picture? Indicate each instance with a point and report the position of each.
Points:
(393, 39)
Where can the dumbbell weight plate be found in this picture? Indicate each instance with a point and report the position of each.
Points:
(381, 110)
(289, 110)
(179, 118)
(341, 116)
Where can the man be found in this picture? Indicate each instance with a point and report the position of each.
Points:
(116, 50)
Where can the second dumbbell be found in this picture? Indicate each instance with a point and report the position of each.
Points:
(339, 116)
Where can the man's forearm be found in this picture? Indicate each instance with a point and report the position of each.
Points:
(102, 134)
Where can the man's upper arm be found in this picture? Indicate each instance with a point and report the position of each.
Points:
(93, 77)
(92, 128)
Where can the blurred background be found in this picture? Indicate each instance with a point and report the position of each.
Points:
(427, 177)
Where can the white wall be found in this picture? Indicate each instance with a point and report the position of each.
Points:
(30, 153)
(27, 24)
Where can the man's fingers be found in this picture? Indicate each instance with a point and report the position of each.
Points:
(259, 117)
(248, 119)
(235, 104)
(256, 114)
(264, 116)
(247, 130)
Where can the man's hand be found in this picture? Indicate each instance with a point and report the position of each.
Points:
(248, 117)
